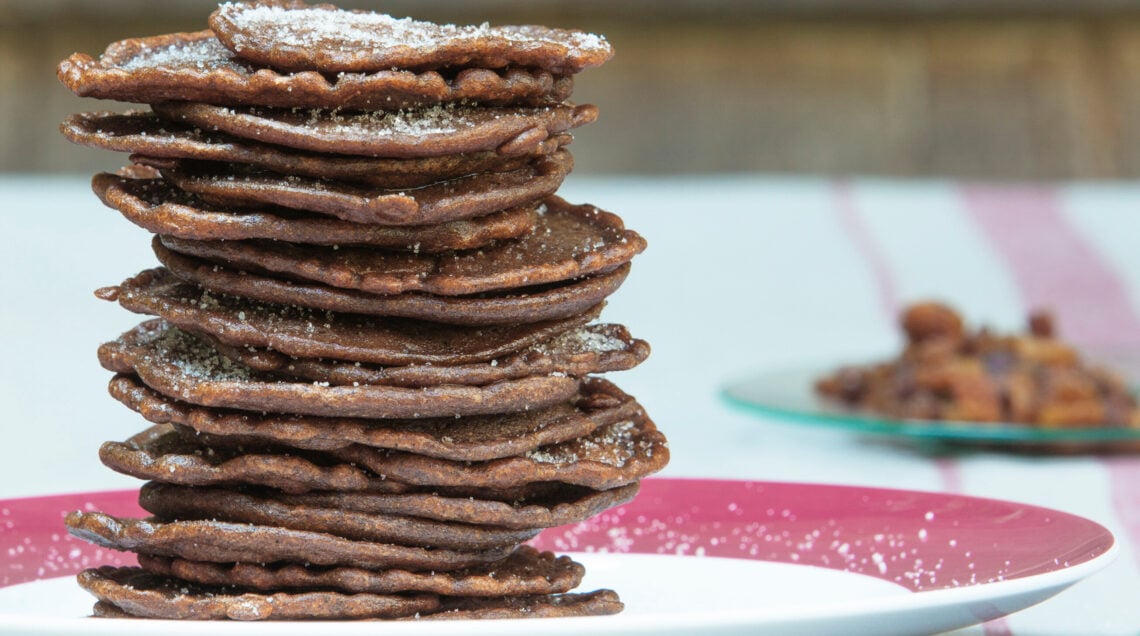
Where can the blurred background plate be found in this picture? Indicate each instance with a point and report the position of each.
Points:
(789, 394)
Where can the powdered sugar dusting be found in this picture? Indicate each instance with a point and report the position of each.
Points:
(35, 545)
(440, 119)
(782, 537)
(840, 528)
(919, 541)
(582, 340)
(352, 31)
(205, 54)
(323, 28)
(193, 357)
(612, 445)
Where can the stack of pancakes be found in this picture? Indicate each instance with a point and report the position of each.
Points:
(371, 371)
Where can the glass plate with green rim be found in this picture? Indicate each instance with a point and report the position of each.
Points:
(789, 394)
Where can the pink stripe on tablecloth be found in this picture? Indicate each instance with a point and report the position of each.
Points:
(997, 627)
(847, 212)
(1057, 268)
(1053, 265)
(1124, 473)
(949, 474)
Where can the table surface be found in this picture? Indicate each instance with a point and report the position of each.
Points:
(742, 274)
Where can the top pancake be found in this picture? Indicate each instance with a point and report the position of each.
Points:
(197, 67)
(298, 37)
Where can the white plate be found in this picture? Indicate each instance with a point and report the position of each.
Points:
(663, 595)
(805, 559)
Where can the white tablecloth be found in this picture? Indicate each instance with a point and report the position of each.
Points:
(742, 274)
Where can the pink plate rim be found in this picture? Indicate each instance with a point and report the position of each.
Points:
(921, 541)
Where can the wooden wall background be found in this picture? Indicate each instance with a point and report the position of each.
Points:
(971, 89)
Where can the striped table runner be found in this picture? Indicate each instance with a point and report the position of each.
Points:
(748, 273)
(1072, 250)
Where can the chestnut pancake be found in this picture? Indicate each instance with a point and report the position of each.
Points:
(525, 572)
(241, 186)
(164, 453)
(169, 501)
(225, 542)
(596, 603)
(436, 131)
(543, 506)
(568, 242)
(133, 592)
(611, 456)
(196, 67)
(307, 333)
(577, 352)
(178, 365)
(538, 303)
(144, 135)
(470, 438)
(140, 594)
(157, 206)
(299, 37)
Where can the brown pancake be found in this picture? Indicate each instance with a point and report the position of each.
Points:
(126, 592)
(525, 572)
(611, 456)
(471, 438)
(181, 366)
(168, 501)
(294, 330)
(436, 131)
(167, 454)
(196, 67)
(103, 609)
(145, 135)
(526, 305)
(298, 37)
(224, 542)
(596, 603)
(575, 353)
(159, 207)
(552, 505)
(163, 454)
(241, 186)
(569, 241)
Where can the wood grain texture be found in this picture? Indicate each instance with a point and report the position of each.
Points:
(1010, 97)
